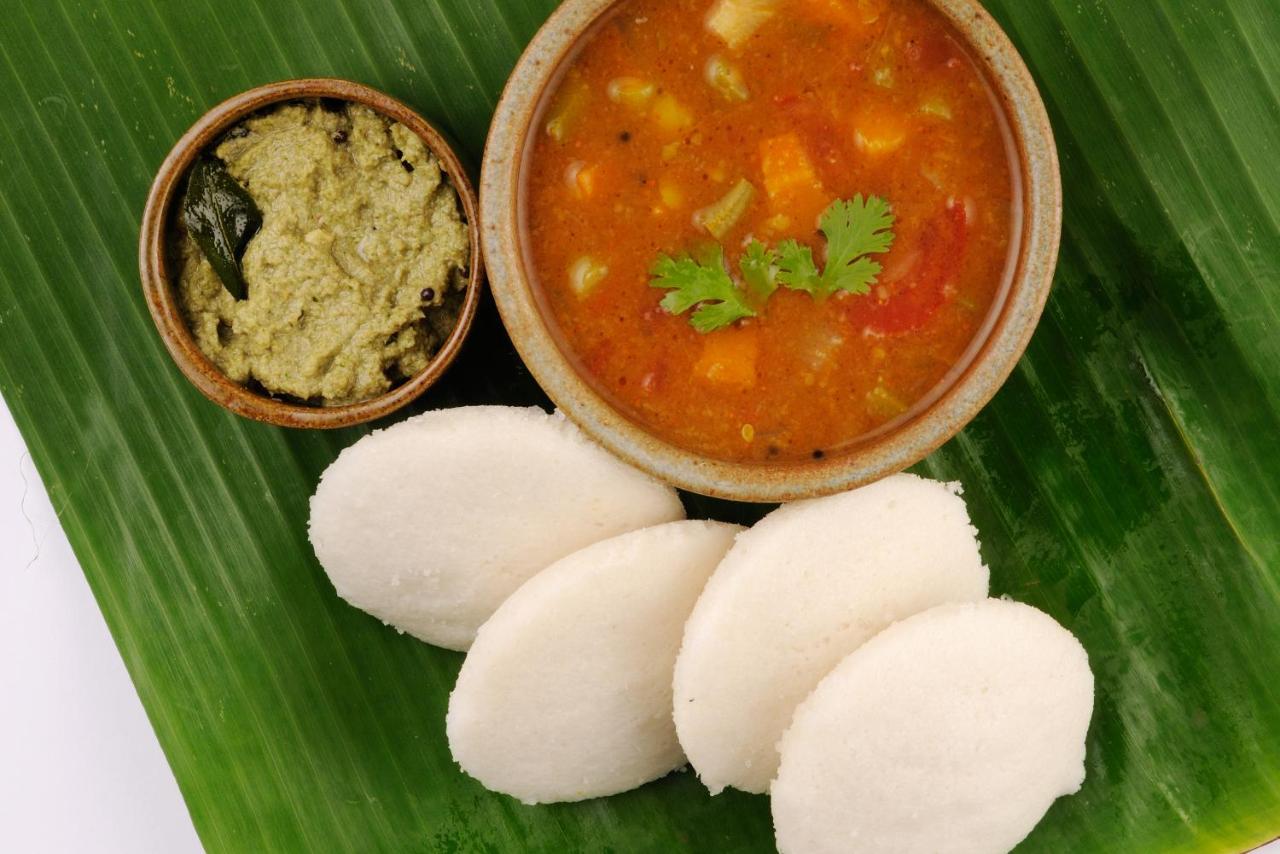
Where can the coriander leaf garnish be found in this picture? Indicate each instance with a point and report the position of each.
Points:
(796, 269)
(759, 269)
(704, 283)
(855, 229)
(717, 315)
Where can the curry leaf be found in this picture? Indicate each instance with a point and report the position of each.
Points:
(222, 218)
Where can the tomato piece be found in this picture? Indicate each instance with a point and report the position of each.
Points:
(905, 301)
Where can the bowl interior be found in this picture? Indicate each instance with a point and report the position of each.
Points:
(917, 409)
(898, 444)
(158, 285)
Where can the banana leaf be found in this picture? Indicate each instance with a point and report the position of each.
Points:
(1126, 480)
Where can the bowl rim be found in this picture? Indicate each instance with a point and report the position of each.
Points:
(158, 288)
(893, 450)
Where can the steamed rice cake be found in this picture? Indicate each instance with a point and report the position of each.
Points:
(952, 731)
(430, 524)
(797, 593)
(566, 693)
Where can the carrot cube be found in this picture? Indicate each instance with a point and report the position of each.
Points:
(786, 166)
(729, 357)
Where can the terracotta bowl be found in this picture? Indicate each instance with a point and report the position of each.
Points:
(158, 287)
(893, 448)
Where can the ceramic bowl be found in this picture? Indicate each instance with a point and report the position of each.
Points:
(158, 286)
(948, 409)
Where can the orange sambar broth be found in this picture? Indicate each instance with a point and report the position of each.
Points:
(843, 97)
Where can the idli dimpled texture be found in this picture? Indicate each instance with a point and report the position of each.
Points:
(430, 524)
(952, 731)
(806, 586)
(566, 693)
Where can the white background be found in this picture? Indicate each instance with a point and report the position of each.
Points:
(80, 768)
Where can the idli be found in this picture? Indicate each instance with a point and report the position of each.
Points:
(952, 731)
(430, 524)
(797, 593)
(566, 693)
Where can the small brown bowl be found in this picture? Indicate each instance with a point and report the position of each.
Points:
(158, 287)
(894, 447)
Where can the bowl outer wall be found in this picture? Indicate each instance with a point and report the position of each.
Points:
(158, 287)
(891, 452)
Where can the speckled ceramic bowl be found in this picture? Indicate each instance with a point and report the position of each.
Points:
(158, 287)
(894, 447)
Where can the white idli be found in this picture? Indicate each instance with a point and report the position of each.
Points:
(797, 593)
(566, 693)
(952, 731)
(430, 524)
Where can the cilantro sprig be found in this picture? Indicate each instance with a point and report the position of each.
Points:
(704, 283)
(855, 229)
(759, 270)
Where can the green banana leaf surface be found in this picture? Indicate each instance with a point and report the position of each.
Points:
(1126, 479)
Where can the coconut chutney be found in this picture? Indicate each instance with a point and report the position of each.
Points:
(355, 278)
